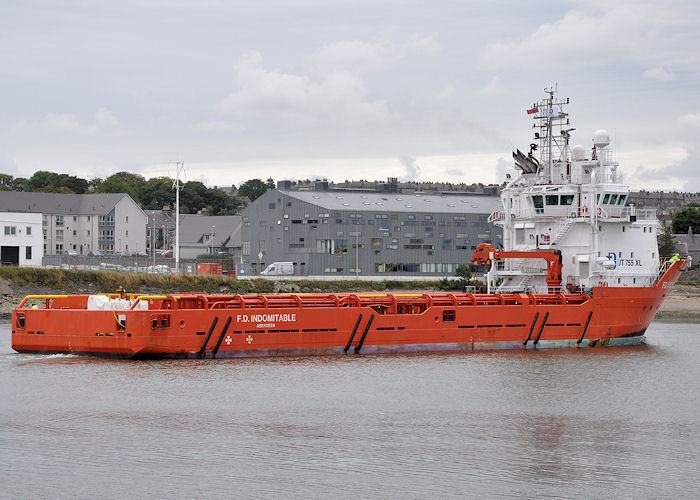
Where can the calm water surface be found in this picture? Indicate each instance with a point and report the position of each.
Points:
(616, 422)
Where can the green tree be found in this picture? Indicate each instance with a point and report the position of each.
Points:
(74, 184)
(219, 203)
(667, 243)
(253, 188)
(683, 219)
(42, 180)
(6, 183)
(464, 271)
(157, 192)
(20, 184)
(123, 182)
(194, 196)
(270, 183)
(94, 183)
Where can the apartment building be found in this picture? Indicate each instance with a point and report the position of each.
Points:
(81, 224)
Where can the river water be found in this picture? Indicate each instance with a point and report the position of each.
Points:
(614, 422)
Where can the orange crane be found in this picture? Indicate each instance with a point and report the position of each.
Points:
(485, 253)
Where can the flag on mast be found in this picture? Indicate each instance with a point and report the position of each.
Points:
(532, 110)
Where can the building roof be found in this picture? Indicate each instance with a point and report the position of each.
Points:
(59, 203)
(691, 241)
(396, 202)
(193, 229)
(162, 218)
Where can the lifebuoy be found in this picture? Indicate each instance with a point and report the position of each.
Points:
(496, 215)
(600, 211)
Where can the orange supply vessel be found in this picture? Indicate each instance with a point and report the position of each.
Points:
(215, 326)
(579, 267)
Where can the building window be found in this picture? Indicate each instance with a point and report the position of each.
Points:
(44, 231)
(59, 220)
(127, 233)
(336, 246)
(10, 230)
(28, 253)
(59, 234)
(75, 233)
(245, 247)
(59, 248)
(29, 230)
(334, 269)
(75, 219)
(127, 218)
(262, 245)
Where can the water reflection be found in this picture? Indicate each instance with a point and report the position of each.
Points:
(571, 423)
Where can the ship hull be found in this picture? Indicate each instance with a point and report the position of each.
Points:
(210, 326)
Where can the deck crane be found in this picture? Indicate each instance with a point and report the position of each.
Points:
(485, 253)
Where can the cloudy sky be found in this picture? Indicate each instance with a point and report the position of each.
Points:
(344, 89)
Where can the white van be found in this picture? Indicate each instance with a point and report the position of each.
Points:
(279, 269)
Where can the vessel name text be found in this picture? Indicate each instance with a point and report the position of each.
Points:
(265, 318)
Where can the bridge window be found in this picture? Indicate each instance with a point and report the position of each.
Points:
(613, 199)
(537, 202)
(552, 199)
(567, 199)
(622, 199)
(606, 199)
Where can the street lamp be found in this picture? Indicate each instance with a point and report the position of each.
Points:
(211, 240)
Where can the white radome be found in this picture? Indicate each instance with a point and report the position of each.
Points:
(601, 138)
(578, 152)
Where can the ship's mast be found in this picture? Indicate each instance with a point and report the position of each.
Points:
(553, 137)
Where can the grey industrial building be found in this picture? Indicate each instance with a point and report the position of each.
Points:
(377, 234)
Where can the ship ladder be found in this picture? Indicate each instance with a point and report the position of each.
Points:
(563, 232)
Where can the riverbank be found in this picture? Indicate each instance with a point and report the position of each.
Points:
(16, 283)
(682, 303)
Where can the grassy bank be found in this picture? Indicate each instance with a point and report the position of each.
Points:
(60, 280)
(678, 316)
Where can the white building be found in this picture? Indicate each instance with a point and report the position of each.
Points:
(20, 239)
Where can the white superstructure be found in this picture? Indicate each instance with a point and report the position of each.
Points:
(572, 199)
